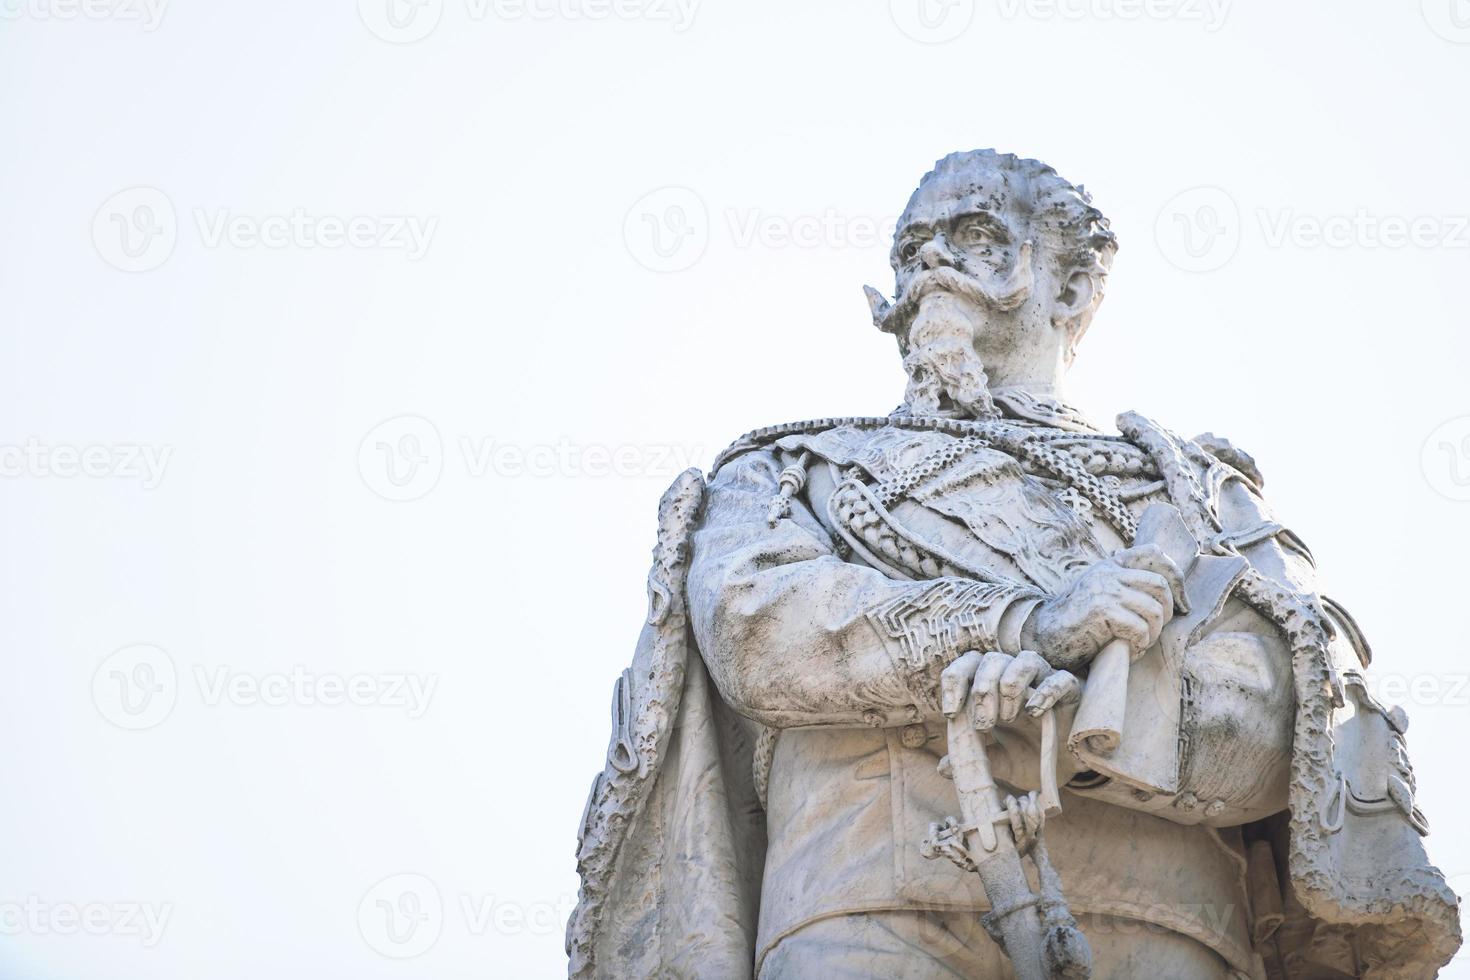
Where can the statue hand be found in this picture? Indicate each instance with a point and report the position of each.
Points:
(993, 685)
(1129, 596)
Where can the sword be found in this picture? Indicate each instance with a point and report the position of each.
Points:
(1035, 929)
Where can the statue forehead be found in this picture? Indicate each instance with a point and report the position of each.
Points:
(979, 188)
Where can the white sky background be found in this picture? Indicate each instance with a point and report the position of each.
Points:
(531, 326)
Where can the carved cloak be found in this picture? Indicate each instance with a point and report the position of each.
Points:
(672, 843)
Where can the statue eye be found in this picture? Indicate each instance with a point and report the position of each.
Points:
(910, 249)
(973, 233)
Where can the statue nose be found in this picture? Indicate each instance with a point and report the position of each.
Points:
(936, 253)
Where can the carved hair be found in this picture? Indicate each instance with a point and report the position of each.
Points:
(1063, 221)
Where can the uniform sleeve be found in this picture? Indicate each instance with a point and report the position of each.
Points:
(794, 635)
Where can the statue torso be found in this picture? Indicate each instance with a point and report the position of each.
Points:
(923, 503)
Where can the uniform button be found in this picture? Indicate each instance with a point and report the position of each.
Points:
(914, 736)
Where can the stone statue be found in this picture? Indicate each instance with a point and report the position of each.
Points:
(978, 689)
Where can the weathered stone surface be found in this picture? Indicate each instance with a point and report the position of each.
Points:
(980, 689)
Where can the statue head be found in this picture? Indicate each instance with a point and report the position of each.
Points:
(1000, 265)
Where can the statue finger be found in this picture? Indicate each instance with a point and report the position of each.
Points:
(1060, 687)
(955, 681)
(1025, 669)
(1150, 584)
(984, 692)
(1151, 558)
(1018, 821)
(1127, 625)
(1147, 608)
(1031, 814)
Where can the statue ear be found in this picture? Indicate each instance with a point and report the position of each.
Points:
(1075, 299)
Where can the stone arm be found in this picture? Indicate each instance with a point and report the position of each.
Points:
(1282, 558)
(795, 635)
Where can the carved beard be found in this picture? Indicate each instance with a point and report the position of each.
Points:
(945, 373)
(937, 315)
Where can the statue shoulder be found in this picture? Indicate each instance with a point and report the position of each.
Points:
(1227, 452)
(832, 432)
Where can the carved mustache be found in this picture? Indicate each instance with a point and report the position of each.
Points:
(1004, 295)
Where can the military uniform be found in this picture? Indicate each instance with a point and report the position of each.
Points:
(840, 565)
